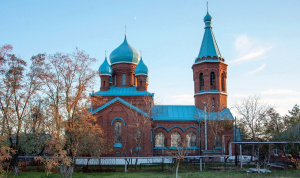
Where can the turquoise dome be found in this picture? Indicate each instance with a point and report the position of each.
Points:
(141, 68)
(207, 17)
(105, 68)
(124, 54)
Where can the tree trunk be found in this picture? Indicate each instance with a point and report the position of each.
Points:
(15, 164)
(177, 168)
(67, 171)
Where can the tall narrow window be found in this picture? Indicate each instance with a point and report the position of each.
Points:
(175, 140)
(133, 79)
(160, 139)
(118, 134)
(212, 81)
(223, 82)
(124, 79)
(191, 140)
(141, 83)
(217, 141)
(213, 102)
(115, 80)
(201, 81)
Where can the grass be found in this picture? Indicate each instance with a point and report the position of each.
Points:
(187, 174)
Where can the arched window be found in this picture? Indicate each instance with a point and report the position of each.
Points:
(175, 140)
(201, 81)
(115, 80)
(191, 140)
(217, 141)
(213, 102)
(118, 133)
(212, 81)
(141, 83)
(223, 82)
(123, 79)
(133, 79)
(160, 139)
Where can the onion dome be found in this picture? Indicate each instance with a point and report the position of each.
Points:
(125, 53)
(209, 47)
(141, 68)
(105, 68)
(207, 19)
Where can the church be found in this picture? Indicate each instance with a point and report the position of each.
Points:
(135, 126)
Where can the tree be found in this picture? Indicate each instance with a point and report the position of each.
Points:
(251, 115)
(66, 80)
(294, 116)
(273, 124)
(17, 88)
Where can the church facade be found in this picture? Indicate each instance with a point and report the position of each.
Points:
(134, 125)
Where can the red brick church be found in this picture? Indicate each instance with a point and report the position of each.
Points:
(134, 125)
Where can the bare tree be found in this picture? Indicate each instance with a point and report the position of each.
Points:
(17, 87)
(251, 115)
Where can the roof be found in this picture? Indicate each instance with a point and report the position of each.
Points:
(105, 68)
(125, 53)
(121, 101)
(209, 45)
(122, 91)
(141, 68)
(187, 113)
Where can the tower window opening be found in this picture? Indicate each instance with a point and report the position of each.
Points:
(104, 83)
(223, 82)
(212, 81)
(115, 80)
(133, 79)
(141, 83)
(124, 79)
(201, 81)
(213, 103)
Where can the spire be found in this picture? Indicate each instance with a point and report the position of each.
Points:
(209, 47)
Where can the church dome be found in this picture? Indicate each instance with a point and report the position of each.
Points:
(141, 68)
(207, 18)
(105, 68)
(125, 53)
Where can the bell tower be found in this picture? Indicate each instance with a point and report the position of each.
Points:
(210, 73)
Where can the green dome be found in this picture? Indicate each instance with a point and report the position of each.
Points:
(124, 54)
(141, 68)
(105, 68)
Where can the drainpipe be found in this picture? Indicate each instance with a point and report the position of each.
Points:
(205, 125)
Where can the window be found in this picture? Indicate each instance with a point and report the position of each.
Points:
(160, 139)
(213, 102)
(212, 81)
(201, 81)
(133, 78)
(175, 140)
(118, 134)
(217, 141)
(124, 79)
(191, 140)
(223, 82)
(141, 83)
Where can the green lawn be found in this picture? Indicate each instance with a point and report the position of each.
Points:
(205, 174)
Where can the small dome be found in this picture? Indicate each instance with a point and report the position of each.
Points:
(105, 68)
(124, 53)
(141, 68)
(207, 18)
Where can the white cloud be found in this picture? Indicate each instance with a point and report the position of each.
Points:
(258, 69)
(280, 92)
(249, 49)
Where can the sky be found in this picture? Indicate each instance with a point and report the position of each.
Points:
(258, 39)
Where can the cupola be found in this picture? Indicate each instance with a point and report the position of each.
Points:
(141, 68)
(125, 53)
(105, 68)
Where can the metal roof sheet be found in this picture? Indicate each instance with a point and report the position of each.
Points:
(122, 91)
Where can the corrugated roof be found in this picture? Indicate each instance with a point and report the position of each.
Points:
(122, 91)
(186, 113)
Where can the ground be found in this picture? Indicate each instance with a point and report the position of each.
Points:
(206, 174)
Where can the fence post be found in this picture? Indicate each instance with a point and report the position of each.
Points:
(200, 164)
(125, 165)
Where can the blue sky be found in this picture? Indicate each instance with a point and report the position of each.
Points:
(258, 39)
